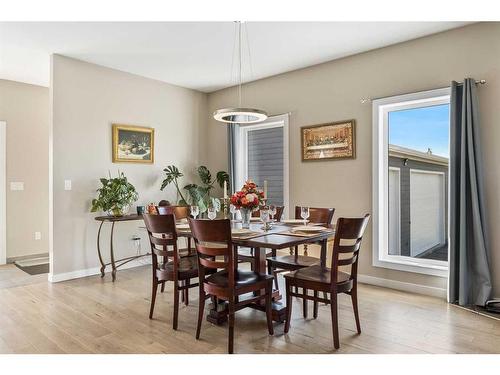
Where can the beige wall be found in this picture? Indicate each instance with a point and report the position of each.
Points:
(25, 108)
(86, 100)
(332, 92)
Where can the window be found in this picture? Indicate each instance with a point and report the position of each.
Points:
(263, 156)
(410, 182)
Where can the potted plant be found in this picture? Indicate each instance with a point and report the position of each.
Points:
(199, 195)
(248, 199)
(114, 196)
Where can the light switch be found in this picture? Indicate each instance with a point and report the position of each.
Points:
(67, 184)
(17, 186)
(38, 235)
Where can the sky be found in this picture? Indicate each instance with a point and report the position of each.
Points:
(421, 128)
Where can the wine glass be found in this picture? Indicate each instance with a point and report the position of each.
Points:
(264, 217)
(304, 214)
(195, 211)
(233, 209)
(272, 211)
(212, 213)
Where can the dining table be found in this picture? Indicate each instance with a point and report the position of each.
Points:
(278, 236)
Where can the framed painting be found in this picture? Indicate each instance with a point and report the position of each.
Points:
(133, 144)
(336, 140)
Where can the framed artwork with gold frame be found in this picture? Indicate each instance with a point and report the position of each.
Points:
(133, 144)
(330, 141)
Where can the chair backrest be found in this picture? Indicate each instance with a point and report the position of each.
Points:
(348, 230)
(213, 239)
(163, 202)
(317, 215)
(162, 238)
(179, 212)
(279, 213)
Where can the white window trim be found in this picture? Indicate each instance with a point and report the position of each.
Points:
(399, 211)
(381, 109)
(3, 194)
(242, 154)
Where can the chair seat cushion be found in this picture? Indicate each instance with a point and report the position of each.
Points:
(317, 274)
(292, 262)
(188, 267)
(242, 278)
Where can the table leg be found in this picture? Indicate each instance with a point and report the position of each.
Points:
(113, 266)
(103, 266)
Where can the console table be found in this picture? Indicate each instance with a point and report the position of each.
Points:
(113, 220)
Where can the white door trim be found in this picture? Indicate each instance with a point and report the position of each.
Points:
(3, 196)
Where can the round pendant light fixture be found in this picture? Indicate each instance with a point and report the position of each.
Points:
(240, 115)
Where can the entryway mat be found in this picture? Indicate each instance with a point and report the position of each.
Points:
(34, 266)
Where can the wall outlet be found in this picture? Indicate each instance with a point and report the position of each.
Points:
(38, 235)
(17, 186)
(67, 184)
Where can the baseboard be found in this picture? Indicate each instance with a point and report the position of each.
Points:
(405, 287)
(55, 278)
(24, 257)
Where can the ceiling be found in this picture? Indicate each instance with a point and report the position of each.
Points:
(197, 55)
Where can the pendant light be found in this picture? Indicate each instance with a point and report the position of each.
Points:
(240, 115)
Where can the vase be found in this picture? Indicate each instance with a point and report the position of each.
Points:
(118, 211)
(245, 217)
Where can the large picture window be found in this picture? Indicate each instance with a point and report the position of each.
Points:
(410, 182)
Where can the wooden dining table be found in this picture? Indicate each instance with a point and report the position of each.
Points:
(278, 237)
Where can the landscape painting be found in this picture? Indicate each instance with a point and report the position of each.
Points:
(133, 144)
(328, 141)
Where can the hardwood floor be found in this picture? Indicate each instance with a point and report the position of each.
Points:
(94, 315)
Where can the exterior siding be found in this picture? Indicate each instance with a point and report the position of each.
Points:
(405, 194)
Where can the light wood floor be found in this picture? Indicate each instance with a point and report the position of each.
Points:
(94, 315)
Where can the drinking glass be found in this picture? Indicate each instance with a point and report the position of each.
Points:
(233, 210)
(195, 211)
(264, 215)
(212, 213)
(304, 214)
(272, 211)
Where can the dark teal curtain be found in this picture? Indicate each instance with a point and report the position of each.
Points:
(470, 277)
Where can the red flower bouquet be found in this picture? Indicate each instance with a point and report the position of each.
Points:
(249, 197)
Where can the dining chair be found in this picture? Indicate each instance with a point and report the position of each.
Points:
(216, 252)
(348, 236)
(180, 213)
(167, 263)
(293, 261)
(246, 254)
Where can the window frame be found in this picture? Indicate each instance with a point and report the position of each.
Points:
(399, 208)
(242, 153)
(380, 184)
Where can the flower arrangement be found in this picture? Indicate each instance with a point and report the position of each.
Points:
(249, 197)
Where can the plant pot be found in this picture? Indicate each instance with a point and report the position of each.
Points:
(245, 217)
(118, 211)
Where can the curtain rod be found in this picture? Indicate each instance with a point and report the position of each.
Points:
(368, 100)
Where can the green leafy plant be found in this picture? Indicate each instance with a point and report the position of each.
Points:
(172, 176)
(198, 194)
(114, 195)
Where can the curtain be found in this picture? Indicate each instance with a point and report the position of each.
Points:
(470, 278)
(232, 130)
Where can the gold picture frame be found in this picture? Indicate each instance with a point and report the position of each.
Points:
(329, 141)
(133, 144)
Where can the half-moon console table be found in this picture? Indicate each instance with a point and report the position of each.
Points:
(119, 262)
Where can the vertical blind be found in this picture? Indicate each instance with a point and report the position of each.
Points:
(265, 161)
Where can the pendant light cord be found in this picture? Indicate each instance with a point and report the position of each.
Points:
(239, 53)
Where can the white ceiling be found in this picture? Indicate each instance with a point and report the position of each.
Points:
(196, 55)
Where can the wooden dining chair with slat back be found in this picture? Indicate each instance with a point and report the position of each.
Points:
(332, 281)
(216, 252)
(180, 213)
(294, 261)
(167, 264)
(246, 255)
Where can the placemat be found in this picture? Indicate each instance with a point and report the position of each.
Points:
(304, 234)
